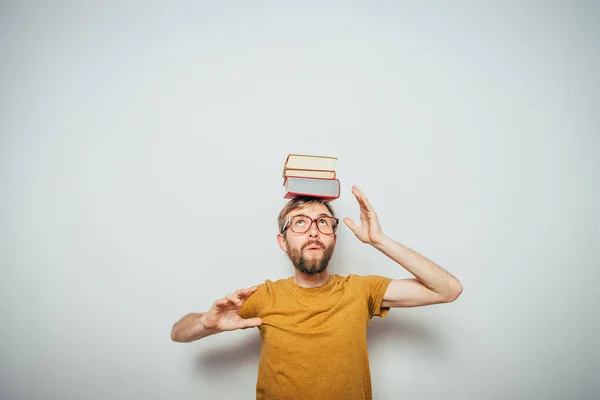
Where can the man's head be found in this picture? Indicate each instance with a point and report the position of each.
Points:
(307, 228)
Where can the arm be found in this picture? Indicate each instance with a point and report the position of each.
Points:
(191, 328)
(222, 316)
(432, 285)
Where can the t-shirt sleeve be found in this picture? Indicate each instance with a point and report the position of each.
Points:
(253, 305)
(375, 287)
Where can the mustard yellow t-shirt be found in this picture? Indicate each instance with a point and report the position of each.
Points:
(314, 340)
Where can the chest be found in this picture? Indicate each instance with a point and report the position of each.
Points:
(338, 313)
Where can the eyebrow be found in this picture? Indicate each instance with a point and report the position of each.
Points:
(320, 215)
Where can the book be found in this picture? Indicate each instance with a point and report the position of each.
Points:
(308, 173)
(328, 189)
(307, 162)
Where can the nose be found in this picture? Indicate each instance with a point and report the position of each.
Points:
(313, 232)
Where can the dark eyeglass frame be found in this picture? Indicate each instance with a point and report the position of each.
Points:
(336, 222)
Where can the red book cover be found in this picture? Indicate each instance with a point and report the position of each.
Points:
(291, 195)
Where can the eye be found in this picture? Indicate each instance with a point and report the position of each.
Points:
(323, 221)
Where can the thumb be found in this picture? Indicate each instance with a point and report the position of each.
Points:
(250, 322)
(350, 224)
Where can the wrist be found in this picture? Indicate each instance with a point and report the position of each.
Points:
(203, 324)
(202, 321)
(381, 242)
(207, 330)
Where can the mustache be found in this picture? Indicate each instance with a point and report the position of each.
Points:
(313, 243)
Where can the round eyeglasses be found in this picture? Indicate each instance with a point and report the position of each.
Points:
(302, 223)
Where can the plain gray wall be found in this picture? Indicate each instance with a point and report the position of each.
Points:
(135, 137)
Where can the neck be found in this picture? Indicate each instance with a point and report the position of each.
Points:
(310, 281)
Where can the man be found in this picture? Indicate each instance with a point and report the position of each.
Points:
(313, 325)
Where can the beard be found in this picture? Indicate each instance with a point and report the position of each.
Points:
(312, 265)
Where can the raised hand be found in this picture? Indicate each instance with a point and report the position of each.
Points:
(224, 315)
(369, 230)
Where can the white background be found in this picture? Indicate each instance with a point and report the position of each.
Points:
(139, 141)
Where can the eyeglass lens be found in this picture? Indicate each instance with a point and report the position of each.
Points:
(302, 223)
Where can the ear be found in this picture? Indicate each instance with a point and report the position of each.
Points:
(282, 243)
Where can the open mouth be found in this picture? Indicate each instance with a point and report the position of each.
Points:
(313, 248)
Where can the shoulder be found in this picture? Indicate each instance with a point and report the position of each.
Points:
(349, 281)
(355, 278)
(265, 292)
(268, 286)
(366, 281)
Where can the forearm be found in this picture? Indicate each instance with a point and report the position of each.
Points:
(191, 328)
(426, 271)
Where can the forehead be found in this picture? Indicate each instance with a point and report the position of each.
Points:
(311, 210)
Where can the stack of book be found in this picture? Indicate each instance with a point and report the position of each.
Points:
(313, 176)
